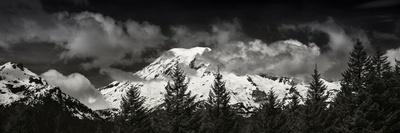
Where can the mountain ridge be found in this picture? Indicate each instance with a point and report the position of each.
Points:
(18, 85)
(200, 75)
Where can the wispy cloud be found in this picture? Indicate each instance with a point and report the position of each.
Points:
(109, 42)
(77, 86)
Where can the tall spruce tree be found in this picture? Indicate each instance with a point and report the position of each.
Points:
(315, 106)
(270, 118)
(354, 77)
(354, 81)
(134, 116)
(220, 116)
(179, 104)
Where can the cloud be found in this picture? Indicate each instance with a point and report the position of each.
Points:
(119, 75)
(341, 38)
(341, 42)
(284, 58)
(25, 21)
(108, 42)
(77, 86)
(100, 39)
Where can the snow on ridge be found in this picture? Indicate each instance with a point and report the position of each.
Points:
(162, 64)
(242, 88)
(15, 71)
(189, 54)
(19, 83)
(15, 81)
(114, 92)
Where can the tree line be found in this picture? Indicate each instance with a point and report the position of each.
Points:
(368, 102)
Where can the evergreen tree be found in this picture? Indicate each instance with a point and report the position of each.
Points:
(376, 113)
(354, 77)
(134, 116)
(378, 67)
(293, 98)
(220, 116)
(293, 110)
(354, 81)
(179, 104)
(270, 118)
(392, 95)
(315, 106)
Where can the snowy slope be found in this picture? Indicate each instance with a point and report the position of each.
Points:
(241, 87)
(160, 67)
(18, 84)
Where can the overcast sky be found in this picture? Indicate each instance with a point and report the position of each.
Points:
(97, 38)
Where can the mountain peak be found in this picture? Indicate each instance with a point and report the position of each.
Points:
(243, 88)
(18, 85)
(189, 52)
(16, 81)
(15, 69)
(187, 55)
(162, 64)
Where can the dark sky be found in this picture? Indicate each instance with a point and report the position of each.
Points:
(377, 20)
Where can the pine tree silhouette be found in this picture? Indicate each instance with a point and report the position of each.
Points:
(315, 105)
(353, 82)
(220, 116)
(134, 116)
(180, 105)
(270, 118)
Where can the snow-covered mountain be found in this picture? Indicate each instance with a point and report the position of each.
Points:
(243, 88)
(18, 85)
